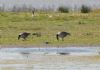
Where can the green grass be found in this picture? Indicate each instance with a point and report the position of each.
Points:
(84, 28)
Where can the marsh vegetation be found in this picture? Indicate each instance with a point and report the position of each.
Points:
(84, 27)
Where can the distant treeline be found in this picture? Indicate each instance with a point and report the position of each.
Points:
(63, 9)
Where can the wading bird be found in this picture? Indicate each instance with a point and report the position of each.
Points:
(33, 12)
(62, 35)
(23, 35)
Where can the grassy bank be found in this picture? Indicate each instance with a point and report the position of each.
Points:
(84, 28)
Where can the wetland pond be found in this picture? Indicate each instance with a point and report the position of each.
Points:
(69, 58)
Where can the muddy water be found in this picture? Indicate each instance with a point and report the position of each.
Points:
(49, 59)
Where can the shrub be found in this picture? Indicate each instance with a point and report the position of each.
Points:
(85, 9)
(63, 9)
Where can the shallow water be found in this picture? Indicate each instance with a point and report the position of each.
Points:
(50, 59)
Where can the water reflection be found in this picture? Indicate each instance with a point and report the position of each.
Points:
(49, 59)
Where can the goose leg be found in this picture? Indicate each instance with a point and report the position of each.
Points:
(62, 39)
